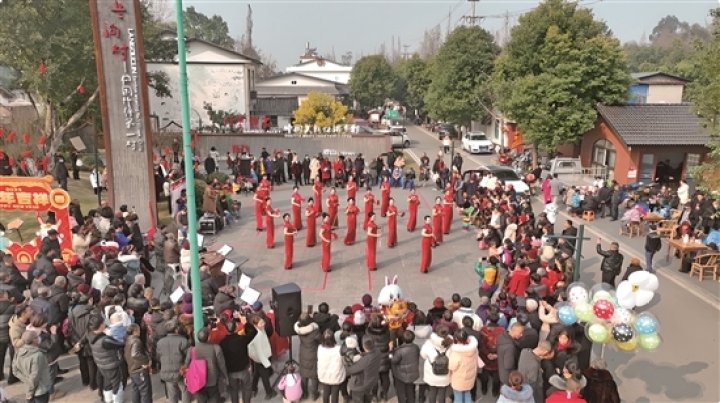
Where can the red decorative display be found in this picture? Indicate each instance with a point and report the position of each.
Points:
(119, 9)
(121, 50)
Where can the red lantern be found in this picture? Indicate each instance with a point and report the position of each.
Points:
(81, 89)
(11, 161)
(167, 150)
(155, 157)
(25, 138)
(45, 163)
(2, 131)
(2, 154)
(42, 68)
(42, 140)
(11, 137)
(27, 153)
(23, 165)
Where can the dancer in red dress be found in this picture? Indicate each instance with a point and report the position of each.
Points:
(428, 239)
(270, 215)
(261, 193)
(297, 208)
(333, 203)
(384, 196)
(437, 219)
(289, 231)
(369, 206)
(351, 211)
(373, 233)
(311, 215)
(351, 188)
(326, 236)
(392, 215)
(448, 206)
(413, 204)
(317, 194)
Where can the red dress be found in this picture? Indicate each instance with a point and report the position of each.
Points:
(352, 212)
(333, 203)
(317, 195)
(448, 203)
(259, 209)
(288, 245)
(426, 249)
(326, 232)
(351, 189)
(312, 215)
(297, 210)
(384, 198)
(369, 206)
(270, 222)
(371, 246)
(392, 226)
(438, 222)
(413, 204)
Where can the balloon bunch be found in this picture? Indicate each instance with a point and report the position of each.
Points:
(608, 315)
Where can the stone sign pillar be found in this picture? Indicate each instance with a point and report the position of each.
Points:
(119, 56)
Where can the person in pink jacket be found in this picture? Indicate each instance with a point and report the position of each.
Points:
(290, 385)
(463, 366)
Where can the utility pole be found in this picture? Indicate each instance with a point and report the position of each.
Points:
(472, 19)
(447, 33)
(406, 54)
(506, 35)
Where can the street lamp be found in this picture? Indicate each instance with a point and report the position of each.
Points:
(578, 250)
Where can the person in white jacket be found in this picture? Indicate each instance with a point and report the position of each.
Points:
(330, 368)
(439, 343)
(466, 310)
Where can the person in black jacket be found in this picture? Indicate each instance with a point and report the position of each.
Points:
(78, 325)
(235, 351)
(14, 295)
(7, 310)
(16, 278)
(612, 262)
(325, 320)
(653, 244)
(364, 373)
(107, 353)
(604, 197)
(406, 366)
(208, 285)
(379, 333)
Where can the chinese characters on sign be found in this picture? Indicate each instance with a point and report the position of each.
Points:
(19, 198)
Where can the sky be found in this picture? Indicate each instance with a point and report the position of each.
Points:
(282, 27)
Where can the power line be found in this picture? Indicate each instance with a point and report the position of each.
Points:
(472, 19)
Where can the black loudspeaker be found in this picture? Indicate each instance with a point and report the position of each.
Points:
(244, 167)
(288, 306)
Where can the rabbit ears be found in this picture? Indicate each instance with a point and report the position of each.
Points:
(394, 281)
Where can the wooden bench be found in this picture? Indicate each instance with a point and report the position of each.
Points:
(630, 230)
(705, 263)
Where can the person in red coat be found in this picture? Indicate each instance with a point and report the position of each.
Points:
(413, 204)
(369, 206)
(260, 195)
(384, 196)
(373, 233)
(519, 280)
(351, 211)
(270, 215)
(289, 231)
(392, 215)
(326, 236)
(296, 201)
(448, 206)
(351, 188)
(311, 215)
(571, 394)
(317, 194)
(437, 219)
(333, 202)
(428, 239)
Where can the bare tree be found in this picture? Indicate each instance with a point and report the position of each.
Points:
(160, 9)
(431, 42)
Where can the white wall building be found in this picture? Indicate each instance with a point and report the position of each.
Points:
(217, 76)
(322, 68)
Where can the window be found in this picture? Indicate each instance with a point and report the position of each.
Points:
(692, 160)
(647, 167)
(293, 82)
(604, 155)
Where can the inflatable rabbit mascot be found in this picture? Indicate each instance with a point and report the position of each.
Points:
(394, 307)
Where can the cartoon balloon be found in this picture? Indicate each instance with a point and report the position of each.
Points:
(646, 323)
(596, 332)
(638, 290)
(623, 333)
(584, 312)
(621, 316)
(577, 292)
(631, 345)
(649, 342)
(603, 309)
(566, 314)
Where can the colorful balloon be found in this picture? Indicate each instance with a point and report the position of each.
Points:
(602, 295)
(603, 309)
(621, 316)
(566, 315)
(649, 342)
(584, 312)
(596, 332)
(631, 345)
(577, 292)
(623, 333)
(646, 323)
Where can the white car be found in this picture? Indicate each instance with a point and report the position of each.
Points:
(477, 143)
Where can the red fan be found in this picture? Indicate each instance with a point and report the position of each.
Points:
(42, 140)
(334, 235)
(377, 202)
(402, 214)
(11, 137)
(25, 138)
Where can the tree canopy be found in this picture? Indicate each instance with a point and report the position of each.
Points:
(559, 63)
(415, 75)
(321, 110)
(212, 29)
(459, 72)
(372, 80)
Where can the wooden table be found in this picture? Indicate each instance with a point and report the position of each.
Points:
(684, 248)
(647, 219)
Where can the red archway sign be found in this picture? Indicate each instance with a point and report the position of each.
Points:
(25, 194)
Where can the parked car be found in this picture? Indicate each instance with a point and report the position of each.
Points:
(446, 129)
(505, 174)
(398, 136)
(477, 143)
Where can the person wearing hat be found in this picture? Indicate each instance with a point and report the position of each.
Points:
(653, 244)
(31, 367)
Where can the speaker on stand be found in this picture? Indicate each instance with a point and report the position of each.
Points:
(287, 305)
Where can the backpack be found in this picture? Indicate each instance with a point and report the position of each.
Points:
(196, 374)
(441, 363)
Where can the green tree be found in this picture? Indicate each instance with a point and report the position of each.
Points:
(321, 110)
(558, 64)
(212, 29)
(459, 72)
(705, 94)
(372, 80)
(415, 73)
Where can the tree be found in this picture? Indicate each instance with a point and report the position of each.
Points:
(705, 94)
(558, 64)
(246, 46)
(461, 67)
(322, 111)
(415, 72)
(372, 81)
(430, 45)
(212, 29)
